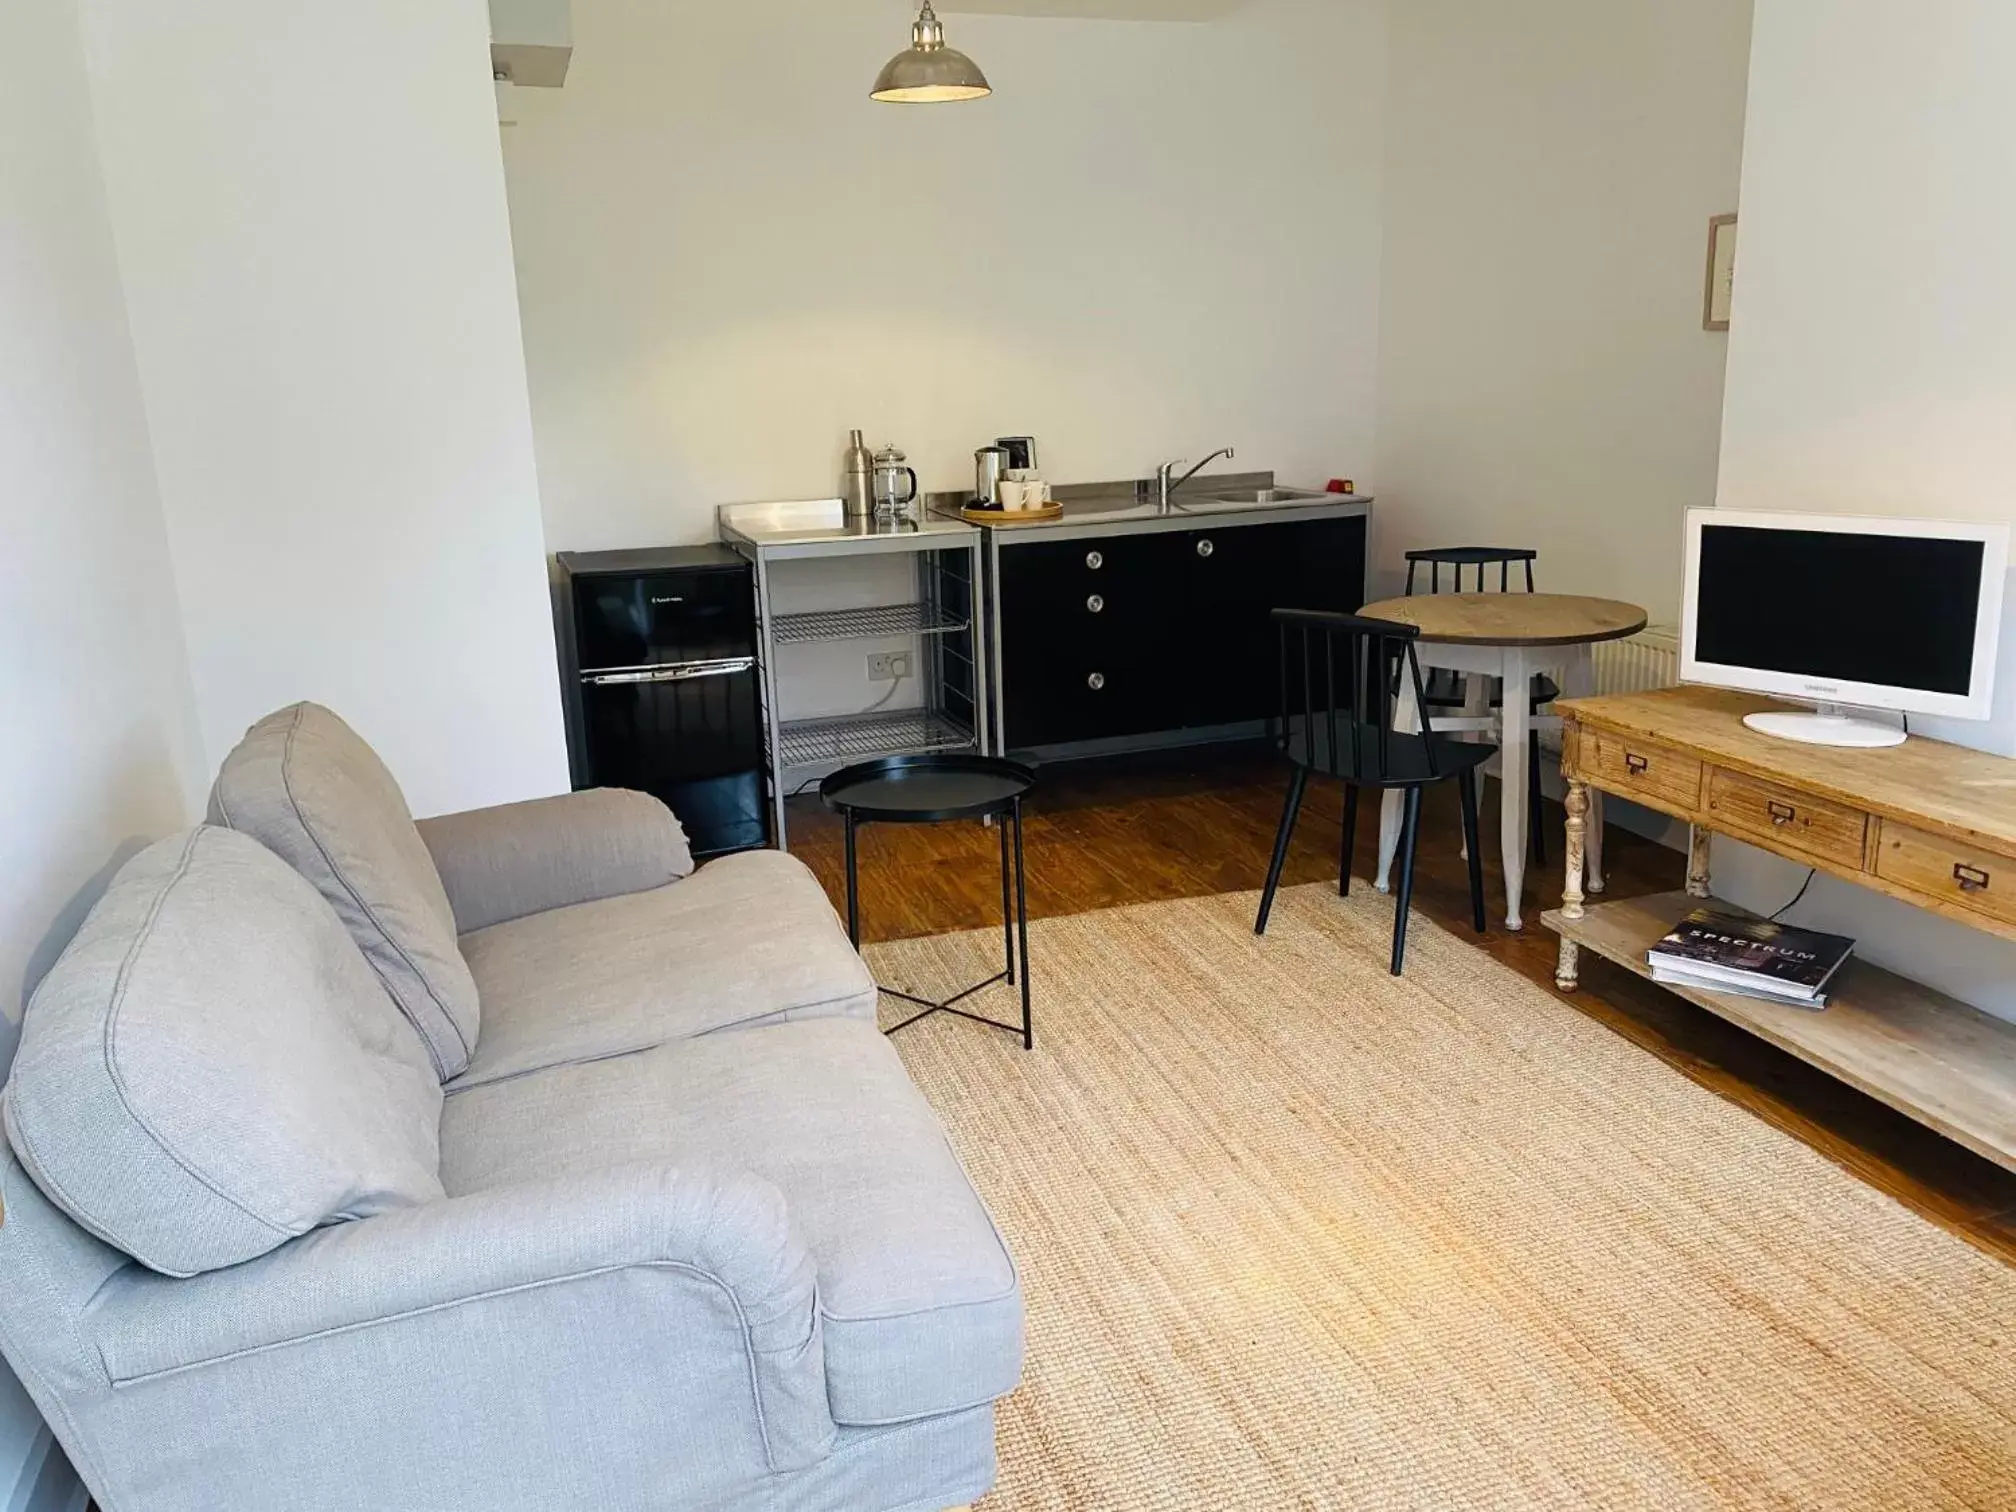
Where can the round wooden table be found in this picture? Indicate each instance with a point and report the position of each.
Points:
(1514, 637)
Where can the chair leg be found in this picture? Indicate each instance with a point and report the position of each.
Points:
(1290, 811)
(1466, 784)
(1536, 807)
(1403, 901)
(1350, 839)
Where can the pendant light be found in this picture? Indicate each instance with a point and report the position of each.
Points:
(928, 72)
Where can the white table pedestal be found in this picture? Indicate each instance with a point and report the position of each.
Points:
(1570, 666)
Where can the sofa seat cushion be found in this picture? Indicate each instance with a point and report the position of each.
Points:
(210, 1069)
(920, 1306)
(746, 940)
(307, 787)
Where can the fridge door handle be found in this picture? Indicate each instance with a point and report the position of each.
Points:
(669, 673)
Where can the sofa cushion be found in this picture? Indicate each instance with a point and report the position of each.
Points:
(920, 1306)
(211, 1069)
(305, 785)
(519, 859)
(746, 940)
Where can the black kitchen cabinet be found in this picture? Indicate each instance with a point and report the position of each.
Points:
(1147, 631)
(1080, 623)
(1235, 579)
(1325, 570)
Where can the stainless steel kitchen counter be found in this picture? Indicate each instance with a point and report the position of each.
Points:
(819, 528)
(1097, 510)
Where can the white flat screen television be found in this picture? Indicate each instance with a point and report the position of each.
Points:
(1847, 611)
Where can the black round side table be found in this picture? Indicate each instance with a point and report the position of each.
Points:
(932, 790)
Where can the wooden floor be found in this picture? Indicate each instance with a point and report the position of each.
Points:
(1104, 834)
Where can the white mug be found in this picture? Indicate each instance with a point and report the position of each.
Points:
(1013, 495)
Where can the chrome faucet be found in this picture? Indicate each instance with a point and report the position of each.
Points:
(1167, 483)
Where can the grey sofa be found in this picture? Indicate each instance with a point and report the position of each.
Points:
(500, 1161)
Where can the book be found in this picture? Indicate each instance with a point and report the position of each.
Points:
(1725, 952)
(1667, 976)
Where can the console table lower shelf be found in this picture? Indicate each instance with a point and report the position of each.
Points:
(1929, 1056)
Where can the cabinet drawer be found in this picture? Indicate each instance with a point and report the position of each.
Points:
(1085, 698)
(1788, 820)
(1665, 778)
(1947, 870)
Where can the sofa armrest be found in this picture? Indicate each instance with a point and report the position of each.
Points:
(675, 1297)
(499, 864)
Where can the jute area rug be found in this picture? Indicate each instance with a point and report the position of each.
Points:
(1297, 1235)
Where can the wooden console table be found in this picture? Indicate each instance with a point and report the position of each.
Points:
(1929, 823)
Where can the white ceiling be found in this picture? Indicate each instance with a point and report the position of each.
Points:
(1104, 10)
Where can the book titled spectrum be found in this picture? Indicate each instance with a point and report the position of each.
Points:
(1719, 952)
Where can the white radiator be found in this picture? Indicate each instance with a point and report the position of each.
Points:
(1650, 659)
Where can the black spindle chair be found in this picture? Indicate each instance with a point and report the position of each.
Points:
(1462, 558)
(1337, 721)
(1445, 690)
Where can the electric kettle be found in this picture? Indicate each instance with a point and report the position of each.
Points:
(990, 466)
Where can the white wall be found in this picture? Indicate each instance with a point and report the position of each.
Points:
(317, 258)
(99, 752)
(1545, 381)
(1872, 366)
(1154, 240)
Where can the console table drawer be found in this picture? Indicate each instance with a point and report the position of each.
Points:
(1791, 820)
(1947, 870)
(1624, 765)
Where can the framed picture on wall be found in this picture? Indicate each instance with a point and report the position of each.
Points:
(1721, 273)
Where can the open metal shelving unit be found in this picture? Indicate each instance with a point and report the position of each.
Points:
(874, 623)
(847, 738)
(942, 618)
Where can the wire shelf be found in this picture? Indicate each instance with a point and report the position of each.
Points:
(865, 624)
(862, 737)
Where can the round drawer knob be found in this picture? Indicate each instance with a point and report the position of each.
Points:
(1205, 548)
(1096, 604)
(1095, 560)
(1096, 681)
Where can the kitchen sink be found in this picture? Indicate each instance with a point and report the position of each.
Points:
(1265, 496)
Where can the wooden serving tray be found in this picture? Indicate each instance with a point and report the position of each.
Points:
(1008, 517)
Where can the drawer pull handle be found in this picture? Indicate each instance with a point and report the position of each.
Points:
(1781, 813)
(1970, 878)
(1205, 548)
(1095, 560)
(1096, 604)
(1096, 681)
(1637, 766)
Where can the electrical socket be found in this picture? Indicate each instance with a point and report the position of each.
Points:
(892, 666)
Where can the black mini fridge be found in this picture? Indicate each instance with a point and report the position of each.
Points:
(658, 653)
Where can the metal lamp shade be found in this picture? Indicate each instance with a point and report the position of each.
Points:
(928, 72)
